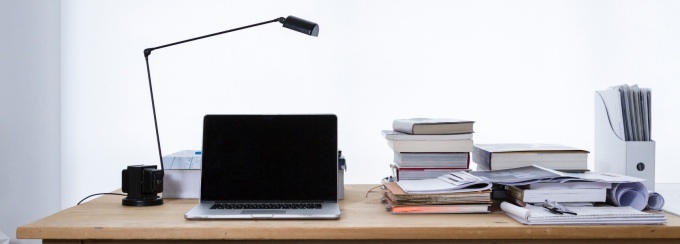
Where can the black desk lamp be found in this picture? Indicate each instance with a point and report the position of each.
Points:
(142, 183)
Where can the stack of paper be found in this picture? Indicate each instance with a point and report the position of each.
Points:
(397, 201)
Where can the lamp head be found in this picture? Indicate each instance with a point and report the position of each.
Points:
(300, 25)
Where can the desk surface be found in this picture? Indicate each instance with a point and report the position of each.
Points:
(363, 218)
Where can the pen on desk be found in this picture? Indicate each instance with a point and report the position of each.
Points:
(556, 208)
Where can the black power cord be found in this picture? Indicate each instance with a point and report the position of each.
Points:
(97, 194)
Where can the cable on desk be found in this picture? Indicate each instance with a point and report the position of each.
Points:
(108, 193)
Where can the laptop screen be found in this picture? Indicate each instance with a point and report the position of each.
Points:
(269, 158)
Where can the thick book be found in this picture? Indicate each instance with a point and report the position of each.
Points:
(431, 126)
(411, 173)
(460, 160)
(398, 196)
(533, 215)
(394, 208)
(431, 146)
(558, 195)
(515, 155)
(400, 136)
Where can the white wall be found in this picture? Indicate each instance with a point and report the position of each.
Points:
(525, 71)
(29, 113)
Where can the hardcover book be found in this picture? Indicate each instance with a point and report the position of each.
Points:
(400, 136)
(431, 146)
(430, 126)
(515, 155)
(400, 173)
(568, 185)
(457, 160)
(558, 195)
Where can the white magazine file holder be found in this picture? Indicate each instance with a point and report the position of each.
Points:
(616, 155)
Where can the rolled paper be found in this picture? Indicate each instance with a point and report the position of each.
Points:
(655, 201)
(632, 194)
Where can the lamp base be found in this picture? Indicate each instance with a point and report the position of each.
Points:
(148, 200)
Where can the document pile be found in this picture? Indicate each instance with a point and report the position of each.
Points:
(624, 190)
(456, 192)
(535, 215)
(627, 195)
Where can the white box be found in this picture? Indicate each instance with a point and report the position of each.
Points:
(182, 174)
(182, 183)
(615, 155)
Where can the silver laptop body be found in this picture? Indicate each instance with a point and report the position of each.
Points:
(268, 167)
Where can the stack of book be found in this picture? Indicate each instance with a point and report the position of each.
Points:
(427, 148)
(515, 155)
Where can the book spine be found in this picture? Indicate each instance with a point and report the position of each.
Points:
(467, 165)
(481, 157)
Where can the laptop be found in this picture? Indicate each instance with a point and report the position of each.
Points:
(269, 167)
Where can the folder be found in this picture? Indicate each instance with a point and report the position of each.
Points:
(612, 152)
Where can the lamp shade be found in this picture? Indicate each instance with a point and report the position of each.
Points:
(301, 25)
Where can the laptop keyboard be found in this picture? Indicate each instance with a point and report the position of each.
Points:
(266, 206)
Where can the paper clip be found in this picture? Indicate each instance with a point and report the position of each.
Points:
(556, 208)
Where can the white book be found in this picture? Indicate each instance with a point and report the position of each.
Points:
(514, 155)
(558, 195)
(431, 146)
(569, 185)
(432, 126)
(432, 159)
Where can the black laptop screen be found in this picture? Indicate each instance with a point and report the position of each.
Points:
(269, 157)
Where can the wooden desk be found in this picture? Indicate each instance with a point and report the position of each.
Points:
(106, 220)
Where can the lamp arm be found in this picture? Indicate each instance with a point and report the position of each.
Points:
(148, 51)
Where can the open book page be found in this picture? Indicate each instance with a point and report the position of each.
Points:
(593, 176)
(533, 174)
(459, 181)
(518, 176)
